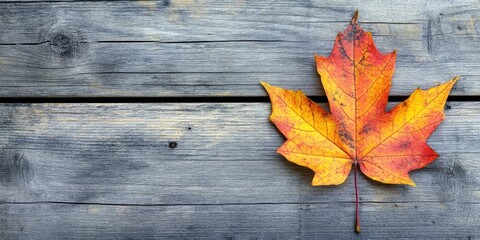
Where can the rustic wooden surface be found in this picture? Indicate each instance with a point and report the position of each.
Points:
(81, 157)
(223, 48)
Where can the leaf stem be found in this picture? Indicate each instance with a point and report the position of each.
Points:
(357, 215)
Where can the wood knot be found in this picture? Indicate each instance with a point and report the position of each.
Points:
(457, 170)
(62, 44)
(15, 168)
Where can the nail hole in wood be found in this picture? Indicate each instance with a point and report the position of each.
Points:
(172, 144)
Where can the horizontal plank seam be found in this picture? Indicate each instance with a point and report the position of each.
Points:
(203, 72)
(196, 99)
(206, 99)
(224, 204)
(65, 1)
(162, 42)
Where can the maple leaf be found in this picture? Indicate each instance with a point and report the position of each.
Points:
(358, 131)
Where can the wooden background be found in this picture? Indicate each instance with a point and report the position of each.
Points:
(146, 119)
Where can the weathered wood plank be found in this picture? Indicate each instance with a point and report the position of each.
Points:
(201, 69)
(214, 20)
(222, 48)
(263, 221)
(198, 153)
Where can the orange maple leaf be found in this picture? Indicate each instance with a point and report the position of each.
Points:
(358, 131)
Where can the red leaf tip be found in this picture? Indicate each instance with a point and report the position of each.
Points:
(354, 20)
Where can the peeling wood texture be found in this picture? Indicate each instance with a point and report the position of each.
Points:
(96, 163)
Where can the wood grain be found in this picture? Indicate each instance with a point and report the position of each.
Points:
(113, 170)
(197, 153)
(263, 221)
(208, 169)
(222, 48)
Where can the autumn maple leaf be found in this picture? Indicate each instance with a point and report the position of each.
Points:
(358, 131)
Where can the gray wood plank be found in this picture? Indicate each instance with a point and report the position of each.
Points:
(185, 20)
(261, 221)
(198, 153)
(218, 48)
